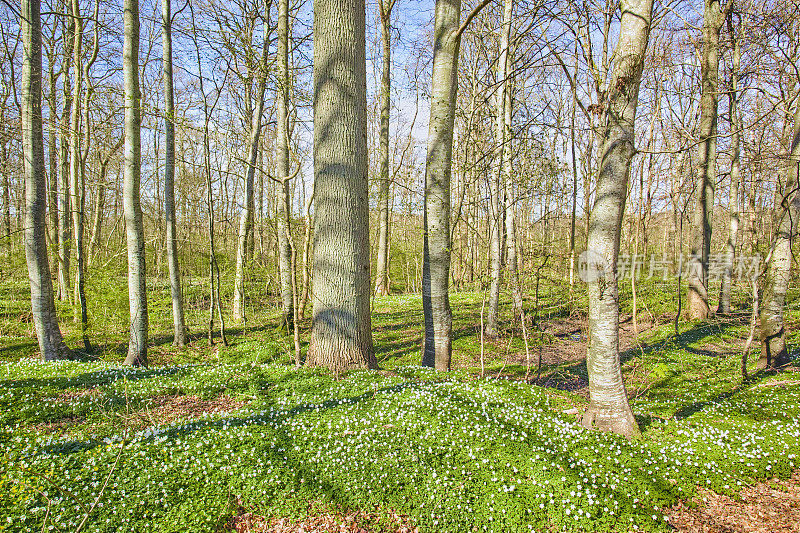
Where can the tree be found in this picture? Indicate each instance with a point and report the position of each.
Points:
(496, 204)
(382, 275)
(713, 19)
(436, 349)
(284, 198)
(608, 401)
(341, 334)
(179, 324)
(51, 343)
(733, 197)
(64, 210)
(246, 217)
(773, 328)
(134, 227)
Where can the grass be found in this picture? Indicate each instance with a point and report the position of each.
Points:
(117, 449)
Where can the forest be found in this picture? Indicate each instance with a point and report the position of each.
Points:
(399, 266)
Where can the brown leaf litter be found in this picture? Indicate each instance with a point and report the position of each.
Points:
(767, 507)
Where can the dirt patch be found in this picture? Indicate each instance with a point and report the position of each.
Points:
(167, 409)
(768, 507)
(354, 522)
(90, 392)
(58, 426)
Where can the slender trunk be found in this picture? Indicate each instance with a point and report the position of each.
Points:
(52, 188)
(134, 227)
(697, 299)
(341, 334)
(7, 242)
(97, 212)
(246, 216)
(495, 202)
(382, 274)
(282, 163)
(508, 172)
(51, 343)
(180, 334)
(608, 400)
(773, 330)
(76, 182)
(436, 234)
(64, 211)
(733, 198)
(306, 255)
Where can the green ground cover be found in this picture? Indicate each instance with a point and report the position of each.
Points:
(86, 442)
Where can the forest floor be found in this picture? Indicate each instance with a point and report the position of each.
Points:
(213, 438)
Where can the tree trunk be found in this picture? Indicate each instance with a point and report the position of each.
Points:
(246, 216)
(384, 183)
(511, 229)
(608, 401)
(306, 255)
(51, 343)
(64, 211)
(97, 213)
(773, 331)
(436, 233)
(733, 198)
(134, 228)
(76, 184)
(697, 300)
(282, 164)
(52, 188)
(341, 335)
(180, 334)
(496, 190)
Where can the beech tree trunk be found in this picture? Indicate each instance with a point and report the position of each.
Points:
(51, 343)
(180, 334)
(697, 299)
(64, 210)
(512, 256)
(384, 183)
(76, 184)
(341, 334)
(246, 217)
(436, 220)
(773, 331)
(306, 256)
(733, 198)
(134, 228)
(497, 185)
(608, 400)
(282, 164)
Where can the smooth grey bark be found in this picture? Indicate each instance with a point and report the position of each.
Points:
(306, 256)
(497, 184)
(97, 212)
(436, 220)
(341, 333)
(773, 330)
(282, 166)
(733, 197)
(51, 343)
(382, 263)
(697, 298)
(512, 256)
(247, 215)
(77, 167)
(52, 152)
(132, 207)
(180, 334)
(608, 400)
(64, 210)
